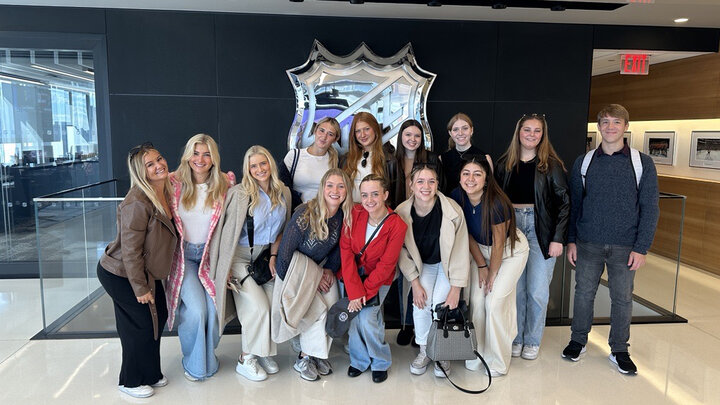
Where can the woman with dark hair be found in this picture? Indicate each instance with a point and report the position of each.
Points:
(435, 256)
(369, 251)
(533, 177)
(367, 155)
(460, 147)
(132, 266)
(261, 203)
(303, 168)
(500, 252)
(411, 151)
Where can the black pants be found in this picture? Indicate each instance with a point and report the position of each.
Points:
(140, 351)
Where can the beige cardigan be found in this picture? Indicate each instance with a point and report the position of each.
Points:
(224, 242)
(454, 247)
(296, 303)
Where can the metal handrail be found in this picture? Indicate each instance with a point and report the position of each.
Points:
(78, 199)
(76, 188)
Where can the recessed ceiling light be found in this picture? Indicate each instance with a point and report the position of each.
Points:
(681, 20)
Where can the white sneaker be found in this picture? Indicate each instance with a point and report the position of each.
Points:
(250, 369)
(161, 382)
(517, 349)
(445, 365)
(269, 364)
(530, 352)
(141, 391)
(190, 377)
(494, 373)
(419, 365)
(307, 368)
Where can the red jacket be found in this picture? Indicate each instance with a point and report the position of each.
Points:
(379, 258)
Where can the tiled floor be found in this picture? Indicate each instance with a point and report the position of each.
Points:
(678, 363)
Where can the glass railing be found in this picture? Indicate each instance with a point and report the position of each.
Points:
(655, 285)
(73, 227)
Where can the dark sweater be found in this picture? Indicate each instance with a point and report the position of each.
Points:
(613, 210)
(296, 238)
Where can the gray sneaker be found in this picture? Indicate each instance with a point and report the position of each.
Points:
(307, 369)
(419, 365)
(323, 366)
(445, 365)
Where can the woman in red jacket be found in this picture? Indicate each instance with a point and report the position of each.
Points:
(369, 252)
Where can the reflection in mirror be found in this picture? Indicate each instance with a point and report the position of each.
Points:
(393, 89)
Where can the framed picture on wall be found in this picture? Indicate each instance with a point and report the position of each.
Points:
(705, 149)
(591, 141)
(627, 136)
(660, 145)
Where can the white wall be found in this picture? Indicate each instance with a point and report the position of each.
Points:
(683, 130)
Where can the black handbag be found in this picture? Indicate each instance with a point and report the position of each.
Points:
(452, 337)
(258, 269)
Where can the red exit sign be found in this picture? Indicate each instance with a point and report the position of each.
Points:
(635, 64)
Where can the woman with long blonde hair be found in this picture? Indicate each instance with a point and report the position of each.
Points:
(133, 265)
(302, 169)
(262, 197)
(199, 189)
(533, 177)
(314, 231)
(367, 155)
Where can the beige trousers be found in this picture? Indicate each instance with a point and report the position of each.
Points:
(495, 315)
(314, 341)
(253, 304)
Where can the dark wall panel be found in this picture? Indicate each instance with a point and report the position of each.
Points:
(152, 52)
(245, 122)
(167, 122)
(656, 38)
(52, 19)
(254, 53)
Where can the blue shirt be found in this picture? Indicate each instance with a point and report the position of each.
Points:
(473, 217)
(267, 222)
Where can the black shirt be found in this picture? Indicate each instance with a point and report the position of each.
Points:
(452, 161)
(521, 187)
(426, 231)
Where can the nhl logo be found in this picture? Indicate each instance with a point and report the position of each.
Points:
(393, 89)
(343, 316)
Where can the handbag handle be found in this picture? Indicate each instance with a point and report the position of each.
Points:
(465, 390)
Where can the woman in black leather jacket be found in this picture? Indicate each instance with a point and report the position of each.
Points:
(534, 177)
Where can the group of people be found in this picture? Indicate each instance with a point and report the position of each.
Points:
(450, 227)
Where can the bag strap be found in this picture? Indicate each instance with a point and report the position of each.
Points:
(251, 239)
(296, 158)
(465, 390)
(635, 162)
(359, 255)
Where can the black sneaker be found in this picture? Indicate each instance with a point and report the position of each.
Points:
(573, 351)
(406, 335)
(623, 362)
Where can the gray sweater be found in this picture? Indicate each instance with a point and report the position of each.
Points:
(612, 209)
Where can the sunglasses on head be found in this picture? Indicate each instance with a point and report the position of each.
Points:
(135, 150)
(534, 115)
(363, 162)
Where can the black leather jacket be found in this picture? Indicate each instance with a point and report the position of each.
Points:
(552, 202)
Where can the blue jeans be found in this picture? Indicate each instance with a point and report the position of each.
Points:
(367, 338)
(533, 288)
(591, 261)
(197, 319)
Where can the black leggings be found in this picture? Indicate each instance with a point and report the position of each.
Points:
(140, 351)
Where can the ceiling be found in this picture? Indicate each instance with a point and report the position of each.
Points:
(701, 13)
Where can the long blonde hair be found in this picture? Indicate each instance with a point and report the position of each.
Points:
(138, 175)
(355, 150)
(331, 150)
(216, 181)
(316, 212)
(249, 184)
(544, 151)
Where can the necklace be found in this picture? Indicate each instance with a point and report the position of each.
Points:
(376, 222)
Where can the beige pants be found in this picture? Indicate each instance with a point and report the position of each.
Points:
(314, 341)
(253, 304)
(495, 315)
